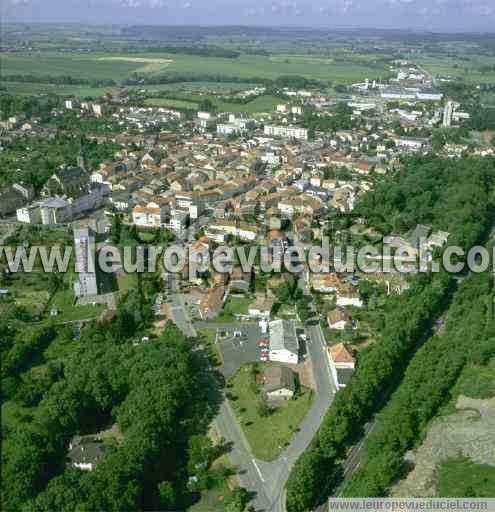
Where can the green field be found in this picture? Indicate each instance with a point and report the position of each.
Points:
(31, 89)
(266, 103)
(468, 71)
(462, 477)
(267, 436)
(171, 103)
(120, 66)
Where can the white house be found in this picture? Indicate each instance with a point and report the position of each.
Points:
(261, 308)
(284, 343)
(341, 365)
(349, 299)
(338, 319)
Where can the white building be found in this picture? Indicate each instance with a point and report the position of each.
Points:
(338, 319)
(84, 245)
(148, 217)
(261, 308)
(287, 132)
(349, 299)
(178, 221)
(239, 230)
(97, 110)
(29, 214)
(278, 383)
(284, 343)
(341, 365)
(448, 113)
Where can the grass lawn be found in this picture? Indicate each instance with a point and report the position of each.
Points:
(147, 236)
(462, 477)
(30, 289)
(234, 306)
(68, 311)
(269, 435)
(215, 499)
(264, 103)
(287, 312)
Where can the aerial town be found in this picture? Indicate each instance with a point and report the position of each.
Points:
(275, 387)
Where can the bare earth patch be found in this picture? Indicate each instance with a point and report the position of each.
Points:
(470, 432)
(150, 64)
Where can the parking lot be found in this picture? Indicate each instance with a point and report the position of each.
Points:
(239, 345)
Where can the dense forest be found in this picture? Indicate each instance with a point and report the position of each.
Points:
(433, 191)
(469, 337)
(154, 393)
(456, 196)
(294, 81)
(41, 157)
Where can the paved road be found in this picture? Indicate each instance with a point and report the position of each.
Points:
(267, 479)
(178, 308)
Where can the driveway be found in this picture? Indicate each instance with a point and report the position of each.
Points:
(237, 350)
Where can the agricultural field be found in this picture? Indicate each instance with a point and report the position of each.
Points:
(468, 70)
(265, 103)
(101, 66)
(77, 91)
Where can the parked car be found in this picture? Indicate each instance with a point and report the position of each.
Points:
(264, 342)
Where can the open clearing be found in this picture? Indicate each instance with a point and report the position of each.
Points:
(152, 65)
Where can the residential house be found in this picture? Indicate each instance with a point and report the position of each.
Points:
(148, 217)
(278, 383)
(86, 452)
(338, 319)
(261, 307)
(341, 365)
(239, 280)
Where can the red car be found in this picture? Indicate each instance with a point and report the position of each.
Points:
(264, 342)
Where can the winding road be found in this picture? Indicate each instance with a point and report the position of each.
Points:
(266, 480)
